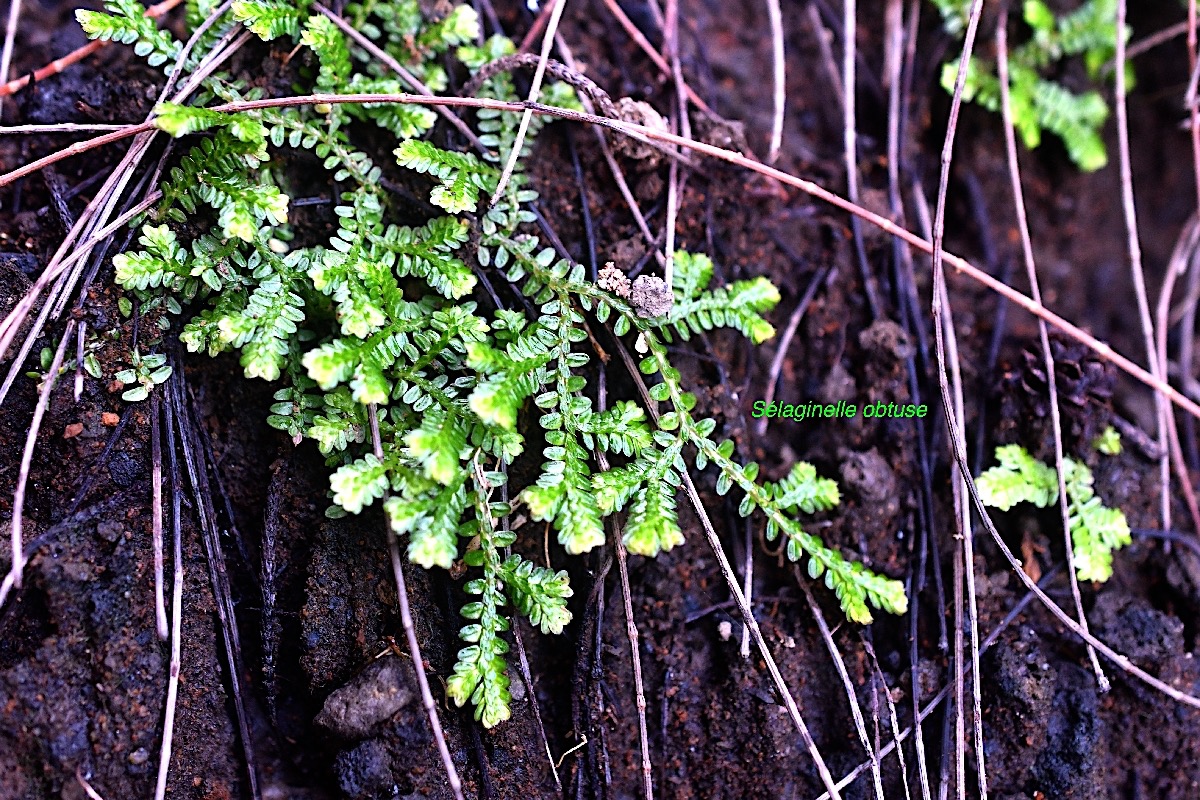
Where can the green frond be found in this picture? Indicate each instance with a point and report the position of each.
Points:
(164, 262)
(1077, 119)
(404, 121)
(215, 172)
(462, 175)
(693, 273)
(1039, 102)
(803, 490)
(460, 26)
(427, 252)
(382, 314)
(480, 673)
(359, 483)
(538, 593)
(1020, 478)
(270, 19)
(179, 120)
(621, 429)
(438, 445)
(1096, 531)
(125, 21)
(855, 586)
(294, 410)
(1108, 442)
(328, 42)
(563, 495)
(652, 524)
(499, 397)
(431, 520)
(342, 422)
(739, 305)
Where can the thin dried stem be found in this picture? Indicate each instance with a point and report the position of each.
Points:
(892, 716)
(850, 144)
(941, 696)
(839, 664)
(1135, 261)
(62, 127)
(735, 590)
(613, 167)
(210, 536)
(80, 339)
(631, 632)
(900, 48)
(164, 761)
(953, 410)
(1155, 39)
(1101, 349)
(97, 212)
(177, 600)
(410, 631)
(523, 664)
(87, 787)
(156, 517)
(635, 653)
(823, 37)
(10, 36)
(534, 92)
(35, 424)
(674, 179)
(75, 56)
(395, 66)
(15, 318)
(1014, 170)
(1183, 256)
(778, 80)
(644, 45)
(73, 150)
(957, 439)
(785, 341)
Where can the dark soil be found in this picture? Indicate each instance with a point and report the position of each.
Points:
(330, 702)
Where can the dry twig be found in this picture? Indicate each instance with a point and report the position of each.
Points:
(778, 79)
(156, 519)
(840, 665)
(1014, 169)
(410, 632)
(735, 590)
(534, 92)
(1101, 349)
(164, 761)
(75, 56)
(35, 424)
(947, 349)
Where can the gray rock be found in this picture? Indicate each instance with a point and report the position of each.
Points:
(370, 698)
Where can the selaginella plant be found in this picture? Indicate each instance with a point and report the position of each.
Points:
(383, 317)
(1096, 530)
(1039, 100)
